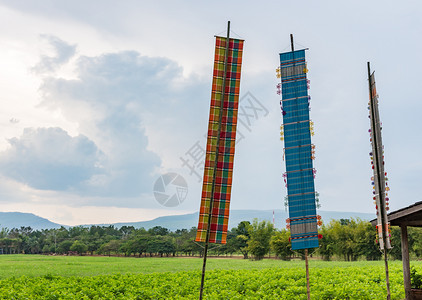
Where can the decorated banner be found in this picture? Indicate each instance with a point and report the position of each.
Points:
(299, 152)
(221, 141)
(379, 180)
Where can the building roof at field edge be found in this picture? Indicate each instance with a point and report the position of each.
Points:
(409, 216)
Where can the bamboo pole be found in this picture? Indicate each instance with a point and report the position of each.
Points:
(291, 43)
(377, 164)
(308, 290)
(207, 237)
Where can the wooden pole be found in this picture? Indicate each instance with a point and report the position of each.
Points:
(291, 42)
(380, 188)
(405, 259)
(308, 290)
(223, 92)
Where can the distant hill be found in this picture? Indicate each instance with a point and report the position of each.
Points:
(186, 221)
(17, 220)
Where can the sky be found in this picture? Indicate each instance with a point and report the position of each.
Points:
(104, 103)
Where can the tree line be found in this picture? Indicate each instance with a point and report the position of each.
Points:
(347, 239)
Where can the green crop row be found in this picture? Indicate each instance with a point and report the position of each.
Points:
(274, 283)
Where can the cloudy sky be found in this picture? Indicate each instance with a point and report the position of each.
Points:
(101, 98)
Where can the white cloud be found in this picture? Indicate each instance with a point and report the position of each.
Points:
(48, 158)
(119, 101)
(62, 52)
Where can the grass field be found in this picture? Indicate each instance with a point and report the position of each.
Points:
(40, 265)
(73, 277)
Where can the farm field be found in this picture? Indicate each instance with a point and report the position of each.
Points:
(72, 277)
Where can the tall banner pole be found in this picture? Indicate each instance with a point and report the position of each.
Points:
(299, 153)
(379, 176)
(223, 92)
(308, 289)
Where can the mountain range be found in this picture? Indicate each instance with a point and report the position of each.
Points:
(17, 219)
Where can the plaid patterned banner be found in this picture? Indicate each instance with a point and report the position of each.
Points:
(298, 151)
(220, 146)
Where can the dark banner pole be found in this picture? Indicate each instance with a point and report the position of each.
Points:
(223, 92)
(308, 289)
(291, 42)
(377, 164)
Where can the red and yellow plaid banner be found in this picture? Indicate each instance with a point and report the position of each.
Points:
(226, 142)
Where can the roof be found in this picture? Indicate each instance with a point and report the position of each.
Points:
(409, 216)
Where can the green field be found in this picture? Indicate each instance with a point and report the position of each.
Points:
(72, 277)
(40, 265)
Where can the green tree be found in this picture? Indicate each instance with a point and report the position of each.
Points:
(139, 244)
(260, 235)
(79, 247)
(64, 247)
(232, 242)
(395, 252)
(342, 233)
(365, 236)
(126, 231)
(281, 245)
(185, 242)
(77, 231)
(4, 232)
(240, 242)
(160, 245)
(9, 245)
(61, 234)
(111, 246)
(158, 230)
(415, 235)
(326, 242)
(180, 236)
(350, 239)
(47, 249)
